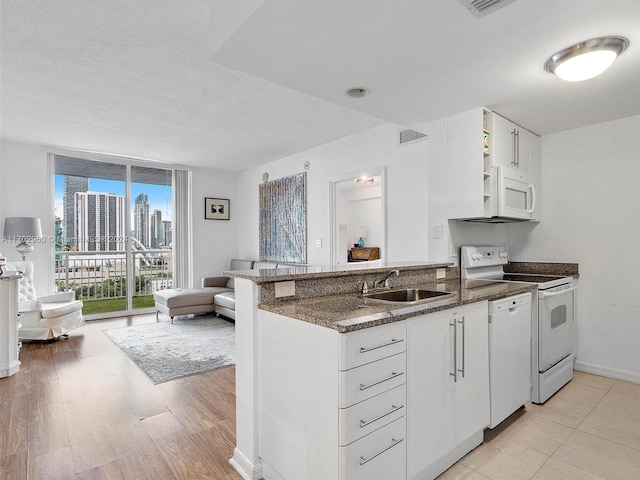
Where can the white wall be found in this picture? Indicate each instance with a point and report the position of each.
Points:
(591, 198)
(355, 154)
(215, 242)
(26, 189)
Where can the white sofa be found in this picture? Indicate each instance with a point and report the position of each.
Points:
(225, 302)
(216, 294)
(47, 317)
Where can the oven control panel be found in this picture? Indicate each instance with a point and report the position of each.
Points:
(471, 257)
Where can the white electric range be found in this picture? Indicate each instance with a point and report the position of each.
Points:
(553, 326)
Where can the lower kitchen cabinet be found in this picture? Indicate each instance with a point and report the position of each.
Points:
(394, 402)
(331, 405)
(447, 387)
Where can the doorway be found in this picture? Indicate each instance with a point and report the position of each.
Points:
(358, 214)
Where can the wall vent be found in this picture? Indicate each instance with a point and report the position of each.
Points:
(480, 8)
(407, 136)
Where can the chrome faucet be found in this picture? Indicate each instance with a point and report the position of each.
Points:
(383, 282)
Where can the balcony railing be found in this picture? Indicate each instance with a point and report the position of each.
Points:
(100, 278)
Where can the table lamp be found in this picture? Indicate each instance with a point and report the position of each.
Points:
(22, 229)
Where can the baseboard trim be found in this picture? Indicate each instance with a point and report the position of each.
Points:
(244, 467)
(607, 371)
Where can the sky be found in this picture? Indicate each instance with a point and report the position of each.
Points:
(159, 195)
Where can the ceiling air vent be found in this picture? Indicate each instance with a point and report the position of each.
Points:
(407, 136)
(480, 8)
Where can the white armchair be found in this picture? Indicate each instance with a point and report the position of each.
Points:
(47, 317)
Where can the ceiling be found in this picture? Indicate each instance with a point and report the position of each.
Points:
(231, 85)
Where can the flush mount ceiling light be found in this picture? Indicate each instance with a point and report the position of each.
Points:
(586, 59)
(358, 92)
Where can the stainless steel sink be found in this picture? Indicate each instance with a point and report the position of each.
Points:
(405, 296)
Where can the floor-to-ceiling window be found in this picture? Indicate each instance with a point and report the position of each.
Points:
(114, 233)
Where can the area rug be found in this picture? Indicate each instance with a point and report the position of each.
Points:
(165, 351)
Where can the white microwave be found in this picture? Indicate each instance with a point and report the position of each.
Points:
(516, 195)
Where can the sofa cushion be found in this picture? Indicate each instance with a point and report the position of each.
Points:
(238, 264)
(265, 265)
(186, 297)
(226, 299)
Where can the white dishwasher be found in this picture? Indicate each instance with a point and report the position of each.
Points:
(509, 355)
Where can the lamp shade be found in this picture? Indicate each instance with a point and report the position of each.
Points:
(22, 228)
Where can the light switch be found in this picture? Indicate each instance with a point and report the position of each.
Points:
(318, 243)
(437, 232)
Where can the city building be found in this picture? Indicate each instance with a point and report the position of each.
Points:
(72, 185)
(157, 230)
(141, 227)
(100, 221)
(166, 229)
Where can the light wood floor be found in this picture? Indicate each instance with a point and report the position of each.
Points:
(80, 409)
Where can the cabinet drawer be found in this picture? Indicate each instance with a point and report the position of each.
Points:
(371, 379)
(365, 417)
(371, 344)
(379, 455)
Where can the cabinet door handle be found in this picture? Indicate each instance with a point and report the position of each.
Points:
(455, 348)
(392, 342)
(555, 294)
(532, 187)
(463, 347)
(393, 375)
(517, 150)
(513, 148)
(364, 423)
(394, 442)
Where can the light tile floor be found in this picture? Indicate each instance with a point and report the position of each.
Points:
(589, 430)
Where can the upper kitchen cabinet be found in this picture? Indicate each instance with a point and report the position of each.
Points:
(513, 146)
(493, 169)
(470, 180)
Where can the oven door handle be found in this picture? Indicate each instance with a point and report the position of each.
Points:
(555, 294)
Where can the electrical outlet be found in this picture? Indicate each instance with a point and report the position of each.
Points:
(318, 243)
(440, 273)
(285, 289)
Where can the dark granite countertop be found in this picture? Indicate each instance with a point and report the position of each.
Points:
(348, 312)
(327, 271)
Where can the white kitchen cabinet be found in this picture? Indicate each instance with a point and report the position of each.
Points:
(471, 180)
(447, 387)
(484, 148)
(514, 146)
(331, 405)
(9, 324)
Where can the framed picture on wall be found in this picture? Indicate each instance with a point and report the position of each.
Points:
(216, 208)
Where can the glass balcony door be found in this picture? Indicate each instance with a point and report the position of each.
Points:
(114, 251)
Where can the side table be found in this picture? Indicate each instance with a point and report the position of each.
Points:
(9, 324)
